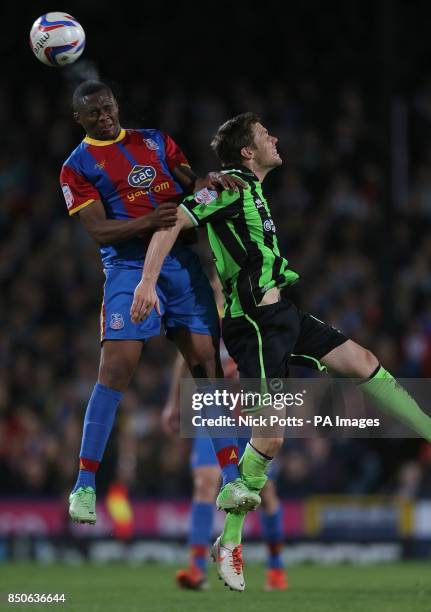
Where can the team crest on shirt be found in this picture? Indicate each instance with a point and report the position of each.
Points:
(68, 195)
(117, 321)
(141, 176)
(205, 196)
(151, 144)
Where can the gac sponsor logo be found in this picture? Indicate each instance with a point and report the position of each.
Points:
(141, 176)
(143, 192)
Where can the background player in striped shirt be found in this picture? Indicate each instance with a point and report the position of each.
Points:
(118, 180)
(206, 481)
(261, 328)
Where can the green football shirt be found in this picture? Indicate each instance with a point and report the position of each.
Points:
(243, 240)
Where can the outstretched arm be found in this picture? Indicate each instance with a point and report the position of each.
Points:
(107, 231)
(145, 297)
(204, 207)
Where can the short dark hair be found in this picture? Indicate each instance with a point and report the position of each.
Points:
(86, 89)
(232, 136)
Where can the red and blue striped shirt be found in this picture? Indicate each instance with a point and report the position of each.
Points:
(130, 175)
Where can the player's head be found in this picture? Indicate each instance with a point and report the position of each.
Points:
(96, 110)
(244, 140)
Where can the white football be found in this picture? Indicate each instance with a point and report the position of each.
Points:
(57, 39)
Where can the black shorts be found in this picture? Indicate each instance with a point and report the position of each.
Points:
(264, 342)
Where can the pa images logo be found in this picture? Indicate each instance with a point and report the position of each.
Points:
(141, 176)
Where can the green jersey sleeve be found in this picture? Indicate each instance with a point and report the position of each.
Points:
(208, 206)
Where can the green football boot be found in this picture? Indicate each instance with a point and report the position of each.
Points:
(236, 495)
(82, 505)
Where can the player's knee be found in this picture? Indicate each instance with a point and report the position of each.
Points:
(115, 374)
(364, 363)
(206, 367)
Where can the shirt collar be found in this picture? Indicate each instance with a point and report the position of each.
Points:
(104, 143)
(242, 169)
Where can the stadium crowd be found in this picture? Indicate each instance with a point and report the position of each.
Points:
(364, 267)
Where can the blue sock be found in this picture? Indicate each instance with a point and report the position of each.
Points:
(225, 448)
(272, 529)
(201, 526)
(98, 422)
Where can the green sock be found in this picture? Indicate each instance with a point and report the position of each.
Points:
(394, 400)
(232, 529)
(252, 468)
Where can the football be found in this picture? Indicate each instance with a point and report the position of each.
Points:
(57, 39)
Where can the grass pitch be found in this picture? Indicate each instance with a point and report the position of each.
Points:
(404, 587)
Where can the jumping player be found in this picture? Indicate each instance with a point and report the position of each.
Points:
(261, 328)
(119, 182)
(206, 482)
